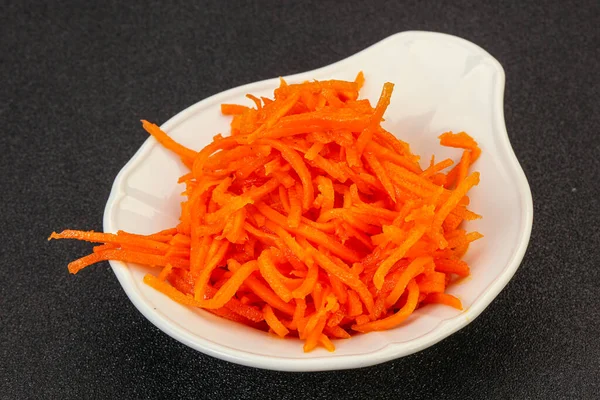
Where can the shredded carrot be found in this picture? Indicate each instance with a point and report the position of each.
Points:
(415, 268)
(274, 322)
(443, 298)
(273, 276)
(450, 266)
(295, 202)
(367, 134)
(360, 79)
(165, 272)
(354, 304)
(231, 286)
(461, 140)
(397, 318)
(326, 342)
(232, 109)
(186, 154)
(310, 220)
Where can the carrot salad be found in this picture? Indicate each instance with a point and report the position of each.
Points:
(309, 220)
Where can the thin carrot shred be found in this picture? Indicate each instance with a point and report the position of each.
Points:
(232, 109)
(310, 220)
(274, 322)
(443, 298)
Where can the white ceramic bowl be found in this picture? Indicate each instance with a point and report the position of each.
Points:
(442, 83)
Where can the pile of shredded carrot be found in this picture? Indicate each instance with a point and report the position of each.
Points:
(310, 220)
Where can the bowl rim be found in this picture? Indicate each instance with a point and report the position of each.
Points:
(393, 350)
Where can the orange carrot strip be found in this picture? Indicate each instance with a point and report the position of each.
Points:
(325, 342)
(463, 166)
(381, 174)
(382, 104)
(298, 313)
(99, 237)
(212, 263)
(310, 233)
(256, 101)
(463, 141)
(199, 253)
(236, 203)
(452, 222)
(337, 332)
(328, 227)
(163, 236)
(268, 296)
(285, 200)
(232, 109)
(291, 243)
(299, 166)
(338, 288)
(388, 140)
(165, 272)
(316, 87)
(235, 234)
(388, 155)
(313, 336)
(284, 108)
(443, 298)
(246, 311)
(295, 212)
(314, 151)
(411, 181)
(325, 186)
(333, 169)
(360, 80)
(345, 215)
(223, 159)
(230, 315)
(354, 304)
(325, 119)
(431, 282)
(436, 168)
(228, 290)
(321, 101)
(415, 234)
(180, 240)
(336, 318)
(332, 98)
(416, 267)
(259, 234)
(454, 198)
(448, 266)
(347, 277)
(126, 256)
(361, 237)
(170, 291)
(219, 143)
(169, 143)
(274, 322)
(269, 272)
(106, 246)
(464, 239)
(317, 296)
(396, 319)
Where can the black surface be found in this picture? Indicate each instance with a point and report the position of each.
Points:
(78, 77)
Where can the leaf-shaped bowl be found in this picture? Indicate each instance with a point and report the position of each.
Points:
(442, 83)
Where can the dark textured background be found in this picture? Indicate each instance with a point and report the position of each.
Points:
(76, 79)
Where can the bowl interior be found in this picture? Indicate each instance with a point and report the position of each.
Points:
(442, 83)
